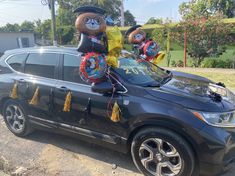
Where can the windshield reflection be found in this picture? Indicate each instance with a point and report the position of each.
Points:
(140, 72)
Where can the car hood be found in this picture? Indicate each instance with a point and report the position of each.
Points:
(194, 92)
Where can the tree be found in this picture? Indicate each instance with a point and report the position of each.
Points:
(206, 36)
(129, 19)
(226, 7)
(207, 8)
(27, 26)
(154, 20)
(65, 34)
(43, 29)
(10, 28)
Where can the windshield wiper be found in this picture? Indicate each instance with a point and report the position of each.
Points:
(167, 79)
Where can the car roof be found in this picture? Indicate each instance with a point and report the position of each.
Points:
(58, 49)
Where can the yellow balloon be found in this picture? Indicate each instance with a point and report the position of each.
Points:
(115, 45)
(160, 57)
(115, 40)
(112, 60)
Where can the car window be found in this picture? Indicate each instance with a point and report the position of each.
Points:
(42, 64)
(17, 61)
(71, 68)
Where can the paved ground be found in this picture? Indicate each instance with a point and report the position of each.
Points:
(45, 154)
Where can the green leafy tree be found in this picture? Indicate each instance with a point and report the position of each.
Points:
(206, 36)
(129, 19)
(65, 34)
(207, 7)
(27, 26)
(153, 20)
(43, 29)
(226, 7)
(10, 28)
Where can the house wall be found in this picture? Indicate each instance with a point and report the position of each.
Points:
(9, 40)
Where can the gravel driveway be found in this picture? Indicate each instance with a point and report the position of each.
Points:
(46, 154)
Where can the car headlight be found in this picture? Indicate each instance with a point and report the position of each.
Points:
(226, 119)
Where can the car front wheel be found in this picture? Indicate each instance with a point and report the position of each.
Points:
(160, 152)
(16, 119)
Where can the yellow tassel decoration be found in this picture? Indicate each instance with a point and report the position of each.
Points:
(67, 102)
(35, 100)
(14, 94)
(116, 113)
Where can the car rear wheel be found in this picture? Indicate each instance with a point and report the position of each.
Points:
(16, 119)
(160, 152)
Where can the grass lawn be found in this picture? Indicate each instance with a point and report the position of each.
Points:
(227, 76)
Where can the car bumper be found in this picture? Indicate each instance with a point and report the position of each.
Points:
(216, 150)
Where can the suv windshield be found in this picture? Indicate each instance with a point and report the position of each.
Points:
(141, 72)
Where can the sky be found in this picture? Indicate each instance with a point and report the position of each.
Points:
(144, 9)
(17, 11)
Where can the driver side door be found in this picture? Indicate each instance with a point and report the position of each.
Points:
(89, 110)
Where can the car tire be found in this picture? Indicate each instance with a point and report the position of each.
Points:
(158, 151)
(16, 118)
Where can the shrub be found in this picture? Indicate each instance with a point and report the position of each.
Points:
(179, 63)
(209, 63)
(217, 63)
(173, 63)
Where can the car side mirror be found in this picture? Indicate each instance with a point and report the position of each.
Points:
(103, 87)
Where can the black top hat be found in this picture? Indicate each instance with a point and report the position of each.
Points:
(85, 9)
(132, 29)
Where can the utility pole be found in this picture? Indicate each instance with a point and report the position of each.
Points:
(53, 21)
(51, 5)
(122, 13)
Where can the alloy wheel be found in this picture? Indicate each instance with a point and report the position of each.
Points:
(160, 158)
(15, 118)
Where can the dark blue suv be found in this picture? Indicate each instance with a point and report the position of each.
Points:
(172, 123)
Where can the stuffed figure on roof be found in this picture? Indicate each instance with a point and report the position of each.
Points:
(91, 26)
(100, 45)
(145, 48)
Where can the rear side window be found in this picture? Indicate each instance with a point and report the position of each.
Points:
(16, 61)
(71, 68)
(42, 64)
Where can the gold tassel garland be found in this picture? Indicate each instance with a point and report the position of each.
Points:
(35, 100)
(14, 94)
(67, 102)
(115, 113)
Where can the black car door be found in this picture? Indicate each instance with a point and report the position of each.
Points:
(89, 110)
(39, 73)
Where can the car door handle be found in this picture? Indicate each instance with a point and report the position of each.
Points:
(63, 88)
(21, 80)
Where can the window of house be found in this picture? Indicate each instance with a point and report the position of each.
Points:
(25, 42)
(71, 68)
(17, 61)
(42, 64)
